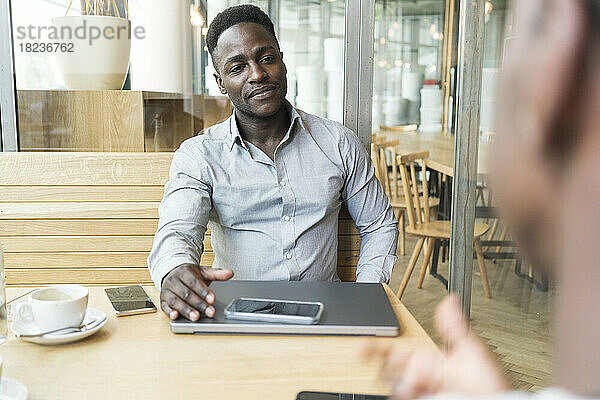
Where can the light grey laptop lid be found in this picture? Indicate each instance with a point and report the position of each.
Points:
(349, 309)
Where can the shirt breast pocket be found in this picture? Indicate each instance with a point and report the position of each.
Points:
(321, 190)
(244, 204)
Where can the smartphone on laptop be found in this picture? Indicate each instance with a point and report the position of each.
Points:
(130, 300)
(274, 310)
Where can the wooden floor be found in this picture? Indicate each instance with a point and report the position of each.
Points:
(515, 323)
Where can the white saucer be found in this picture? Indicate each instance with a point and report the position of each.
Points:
(12, 389)
(29, 327)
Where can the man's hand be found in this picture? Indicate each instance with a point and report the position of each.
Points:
(467, 368)
(185, 291)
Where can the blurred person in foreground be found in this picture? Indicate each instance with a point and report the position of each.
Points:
(546, 180)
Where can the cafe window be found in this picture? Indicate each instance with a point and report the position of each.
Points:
(414, 110)
(408, 64)
(152, 88)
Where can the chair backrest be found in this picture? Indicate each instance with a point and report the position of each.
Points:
(90, 218)
(417, 213)
(378, 155)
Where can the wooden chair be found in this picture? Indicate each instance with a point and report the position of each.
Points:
(421, 225)
(392, 186)
(90, 218)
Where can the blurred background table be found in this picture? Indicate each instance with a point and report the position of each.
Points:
(440, 147)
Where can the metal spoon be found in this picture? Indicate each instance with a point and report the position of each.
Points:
(81, 328)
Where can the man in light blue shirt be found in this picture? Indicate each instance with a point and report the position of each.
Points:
(269, 182)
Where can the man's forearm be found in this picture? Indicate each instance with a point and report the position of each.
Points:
(378, 249)
(173, 247)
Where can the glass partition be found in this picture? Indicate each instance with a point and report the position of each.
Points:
(516, 322)
(311, 35)
(408, 64)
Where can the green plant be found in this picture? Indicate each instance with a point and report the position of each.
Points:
(102, 7)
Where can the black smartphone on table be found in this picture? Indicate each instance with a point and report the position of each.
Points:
(337, 396)
(130, 300)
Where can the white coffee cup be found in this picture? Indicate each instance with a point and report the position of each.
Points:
(55, 307)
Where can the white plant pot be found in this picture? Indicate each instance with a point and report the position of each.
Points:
(95, 63)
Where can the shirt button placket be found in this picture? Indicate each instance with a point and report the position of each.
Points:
(286, 229)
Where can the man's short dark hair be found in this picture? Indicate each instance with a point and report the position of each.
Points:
(233, 16)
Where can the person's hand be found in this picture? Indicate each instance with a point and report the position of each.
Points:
(467, 368)
(185, 291)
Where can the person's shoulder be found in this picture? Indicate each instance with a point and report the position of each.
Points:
(320, 126)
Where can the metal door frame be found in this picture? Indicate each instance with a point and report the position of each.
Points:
(358, 68)
(8, 94)
(466, 149)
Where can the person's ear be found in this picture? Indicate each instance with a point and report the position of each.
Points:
(220, 83)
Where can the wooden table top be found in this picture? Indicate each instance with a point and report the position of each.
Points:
(440, 147)
(138, 357)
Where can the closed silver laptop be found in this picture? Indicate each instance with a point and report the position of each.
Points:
(349, 309)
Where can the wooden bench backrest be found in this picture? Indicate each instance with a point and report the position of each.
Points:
(90, 218)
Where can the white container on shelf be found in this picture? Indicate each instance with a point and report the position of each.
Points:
(396, 110)
(378, 112)
(394, 81)
(94, 64)
(311, 106)
(431, 96)
(412, 82)
(430, 128)
(288, 48)
(488, 100)
(160, 60)
(333, 51)
(309, 83)
(488, 83)
(335, 85)
(431, 108)
(487, 116)
(335, 110)
(414, 112)
(431, 115)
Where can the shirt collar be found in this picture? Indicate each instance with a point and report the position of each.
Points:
(235, 132)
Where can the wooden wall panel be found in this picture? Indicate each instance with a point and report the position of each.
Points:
(216, 109)
(347, 274)
(81, 120)
(49, 276)
(91, 217)
(68, 169)
(85, 227)
(89, 210)
(81, 227)
(49, 244)
(107, 276)
(85, 260)
(116, 259)
(54, 194)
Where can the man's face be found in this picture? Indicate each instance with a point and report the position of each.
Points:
(250, 70)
